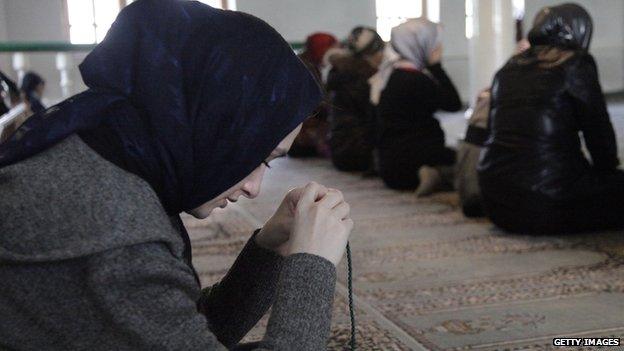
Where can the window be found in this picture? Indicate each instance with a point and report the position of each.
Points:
(214, 3)
(518, 8)
(89, 20)
(391, 13)
(433, 10)
(470, 22)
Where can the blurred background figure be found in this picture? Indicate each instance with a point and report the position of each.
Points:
(23, 104)
(409, 88)
(33, 87)
(12, 111)
(351, 115)
(533, 174)
(469, 150)
(312, 140)
(9, 92)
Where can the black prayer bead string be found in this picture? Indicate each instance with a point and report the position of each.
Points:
(350, 287)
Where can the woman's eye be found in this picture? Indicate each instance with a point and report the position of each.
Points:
(266, 163)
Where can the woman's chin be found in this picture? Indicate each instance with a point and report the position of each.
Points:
(206, 209)
(201, 213)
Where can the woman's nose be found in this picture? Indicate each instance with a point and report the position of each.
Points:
(252, 187)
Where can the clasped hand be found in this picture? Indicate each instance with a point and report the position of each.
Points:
(311, 219)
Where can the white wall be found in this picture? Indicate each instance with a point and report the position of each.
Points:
(37, 20)
(295, 19)
(3, 20)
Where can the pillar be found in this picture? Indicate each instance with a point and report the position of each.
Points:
(492, 42)
(21, 64)
(64, 64)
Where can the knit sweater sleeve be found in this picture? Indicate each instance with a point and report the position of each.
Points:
(242, 297)
(151, 300)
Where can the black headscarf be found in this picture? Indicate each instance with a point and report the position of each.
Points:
(30, 82)
(568, 26)
(188, 97)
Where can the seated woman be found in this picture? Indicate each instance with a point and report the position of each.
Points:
(409, 87)
(94, 254)
(533, 174)
(33, 87)
(312, 141)
(469, 151)
(351, 115)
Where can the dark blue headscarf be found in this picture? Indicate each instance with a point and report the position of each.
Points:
(190, 98)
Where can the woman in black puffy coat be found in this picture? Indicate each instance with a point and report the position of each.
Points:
(533, 173)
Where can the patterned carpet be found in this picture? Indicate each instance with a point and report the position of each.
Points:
(427, 278)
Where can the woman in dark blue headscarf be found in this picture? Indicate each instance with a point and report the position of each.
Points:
(32, 88)
(185, 107)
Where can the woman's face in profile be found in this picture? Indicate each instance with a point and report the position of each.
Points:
(248, 187)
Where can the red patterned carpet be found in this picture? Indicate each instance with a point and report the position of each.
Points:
(427, 278)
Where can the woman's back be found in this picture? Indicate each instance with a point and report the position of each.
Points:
(406, 110)
(533, 175)
(351, 115)
(102, 206)
(63, 211)
(539, 106)
(347, 83)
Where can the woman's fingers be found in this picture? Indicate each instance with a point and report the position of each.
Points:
(331, 199)
(321, 224)
(342, 210)
(311, 193)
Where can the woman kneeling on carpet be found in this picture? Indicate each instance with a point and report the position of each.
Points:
(409, 88)
(533, 174)
(187, 105)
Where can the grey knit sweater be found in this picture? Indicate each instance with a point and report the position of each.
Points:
(90, 261)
